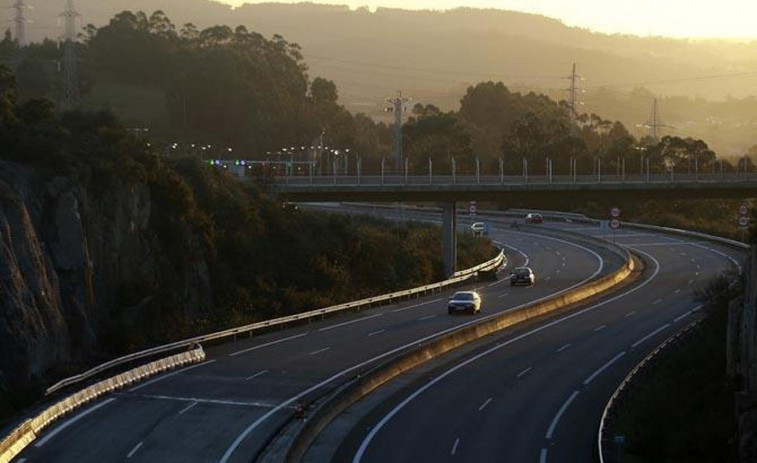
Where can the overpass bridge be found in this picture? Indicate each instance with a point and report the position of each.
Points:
(451, 189)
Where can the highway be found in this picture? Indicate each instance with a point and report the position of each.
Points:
(534, 393)
(229, 407)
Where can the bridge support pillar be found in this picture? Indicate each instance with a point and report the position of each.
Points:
(449, 238)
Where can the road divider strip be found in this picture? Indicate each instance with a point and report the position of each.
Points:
(27, 432)
(295, 441)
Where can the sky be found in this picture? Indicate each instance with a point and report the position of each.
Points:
(671, 18)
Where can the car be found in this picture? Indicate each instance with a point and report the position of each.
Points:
(465, 301)
(522, 276)
(479, 229)
(534, 218)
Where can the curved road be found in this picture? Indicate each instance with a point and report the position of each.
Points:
(227, 408)
(534, 393)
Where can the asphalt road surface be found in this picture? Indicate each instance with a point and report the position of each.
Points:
(229, 407)
(534, 393)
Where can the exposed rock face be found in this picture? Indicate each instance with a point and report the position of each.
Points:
(71, 261)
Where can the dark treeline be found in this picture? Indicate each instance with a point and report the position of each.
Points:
(234, 87)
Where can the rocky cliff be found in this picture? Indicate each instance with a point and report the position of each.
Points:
(77, 266)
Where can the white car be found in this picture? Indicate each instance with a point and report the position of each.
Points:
(465, 301)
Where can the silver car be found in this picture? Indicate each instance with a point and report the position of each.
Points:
(464, 301)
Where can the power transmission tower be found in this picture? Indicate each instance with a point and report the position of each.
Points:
(654, 124)
(20, 20)
(69, 73)
(574, 97)
(398, 107)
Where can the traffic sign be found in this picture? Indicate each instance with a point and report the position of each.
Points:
(473, 208)
(615, 212)
(614, 224)
(743, 222)
(743, 210)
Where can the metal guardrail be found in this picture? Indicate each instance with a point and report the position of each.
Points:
(606, 413)
(27, 432)
(457, 278)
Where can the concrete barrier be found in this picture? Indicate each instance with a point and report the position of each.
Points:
(303, 434)
(24, 434)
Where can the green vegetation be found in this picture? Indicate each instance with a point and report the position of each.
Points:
(682, 408)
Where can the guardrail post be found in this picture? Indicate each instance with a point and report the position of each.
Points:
(525, 170)
(623, 163)
(549, 165)
(647, 162)
(449, 238)
(383, 165)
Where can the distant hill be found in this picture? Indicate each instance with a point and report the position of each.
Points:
(434, 56)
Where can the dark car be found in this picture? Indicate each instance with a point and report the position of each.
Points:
(522, 276)
(534, 218)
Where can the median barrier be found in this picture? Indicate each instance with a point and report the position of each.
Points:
(26, 432)
(293, 445)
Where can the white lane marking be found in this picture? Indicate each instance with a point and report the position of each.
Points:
(503, 295)
(683, 253)
(162, 377)
(250, 349)
(260, 373)
(388, 417)
(722, 254)
(454, 447)
(543, 456)
(563, 264)
(70, 422)
(416, 305)
(677, 291)
(188, 407)
(376, 332)
(699, 266)
(600, 328)
(427, 317)
(520, 375)
(316, 352)
(483, 406)
(563, 348)
(631, 314)
(255, 424)
(22, 460)
(696, 309)
(603, 368)
(351, 322)
(640, 341)
(681, 317)
(134, 450)
(557, 417)
(207, 401)
(657, 301)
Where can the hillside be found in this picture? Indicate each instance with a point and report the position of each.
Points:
(435, 56)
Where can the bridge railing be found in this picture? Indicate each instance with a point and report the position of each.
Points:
(459, 277)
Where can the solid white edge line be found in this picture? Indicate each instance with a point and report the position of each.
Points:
(417, 305)
(250, 349)
(681, 317)
(645, 338)
(556, 419)
(243, 435)
(369, 317)
(70, 422)
(169, 375)
(603, 368)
